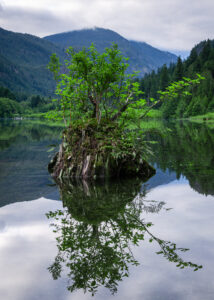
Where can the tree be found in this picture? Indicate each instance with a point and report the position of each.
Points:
(205, 53)
(192, 57)
(9, 107)
(6, 93)
(97, 100)
(36, 100)
(179, 70)
(97, 229)
(94, 85)
(164, 78)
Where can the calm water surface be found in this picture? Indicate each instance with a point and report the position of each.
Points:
(105, 244)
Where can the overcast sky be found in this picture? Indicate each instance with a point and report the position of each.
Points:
(166, 24)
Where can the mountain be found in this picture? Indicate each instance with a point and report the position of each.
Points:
(200, 46)
(182, 53)
(142, 57)
(24, 57)
(23, 63)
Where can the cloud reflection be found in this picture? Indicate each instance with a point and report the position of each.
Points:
(27, 247)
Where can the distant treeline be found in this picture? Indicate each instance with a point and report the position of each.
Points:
(201, 60)
(12, 104)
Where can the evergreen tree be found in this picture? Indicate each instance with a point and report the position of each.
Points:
(205, 53)
(6, 93)
(179, 71)
(164, 78)
(192, 58)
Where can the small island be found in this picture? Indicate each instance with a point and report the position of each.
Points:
(99, 102)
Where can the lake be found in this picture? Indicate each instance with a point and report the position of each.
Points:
(123, 239)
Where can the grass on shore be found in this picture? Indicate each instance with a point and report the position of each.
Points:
(203, 118)
(207, 119)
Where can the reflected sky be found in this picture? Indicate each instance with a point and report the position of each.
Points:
(28, 245)
(27, 248)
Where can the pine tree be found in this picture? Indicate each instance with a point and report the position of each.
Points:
(164, 78)
(205, 53)
(179, 70)
(192, 58)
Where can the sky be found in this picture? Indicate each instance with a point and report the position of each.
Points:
(174, 25)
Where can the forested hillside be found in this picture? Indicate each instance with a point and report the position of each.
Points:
(24, 59)
(23, 63)
(201, 60)
(142, 57)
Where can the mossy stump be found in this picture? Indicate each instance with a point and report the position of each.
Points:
(92, 150)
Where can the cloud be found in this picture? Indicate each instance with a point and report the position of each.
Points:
(169, 24)
(30, 21)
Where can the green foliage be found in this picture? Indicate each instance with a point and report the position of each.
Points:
(96, 89)
(201, 60)
(9, 108)
(24, 57)
(186, 148)
(6, 93)
(208, 118)
(23, 63)
(178, 72)
(36, 101)
(142, 57)
(95, 85)
(181, 90)
(111, 151)
(164, 78)
(97, 230)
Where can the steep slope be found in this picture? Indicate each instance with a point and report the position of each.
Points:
(199, 47)
(153, 56)
(142, 57)
(23, 62)
(24, 57)
(200, 60)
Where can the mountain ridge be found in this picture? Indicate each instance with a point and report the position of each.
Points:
(24, 57)
(142, 57)
(23, 63)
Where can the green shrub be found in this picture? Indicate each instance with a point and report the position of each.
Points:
(8, 108)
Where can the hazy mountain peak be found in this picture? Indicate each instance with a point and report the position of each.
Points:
(24, 57)
(142, 57)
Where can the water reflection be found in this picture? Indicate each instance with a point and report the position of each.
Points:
(187, 149)
(18, 132)
(24, 159)
(97, 230)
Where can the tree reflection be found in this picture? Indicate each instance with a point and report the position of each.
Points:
(97, 229)
(187, 149)
(13, 133)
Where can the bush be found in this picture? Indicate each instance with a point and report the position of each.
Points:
(9, 107)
